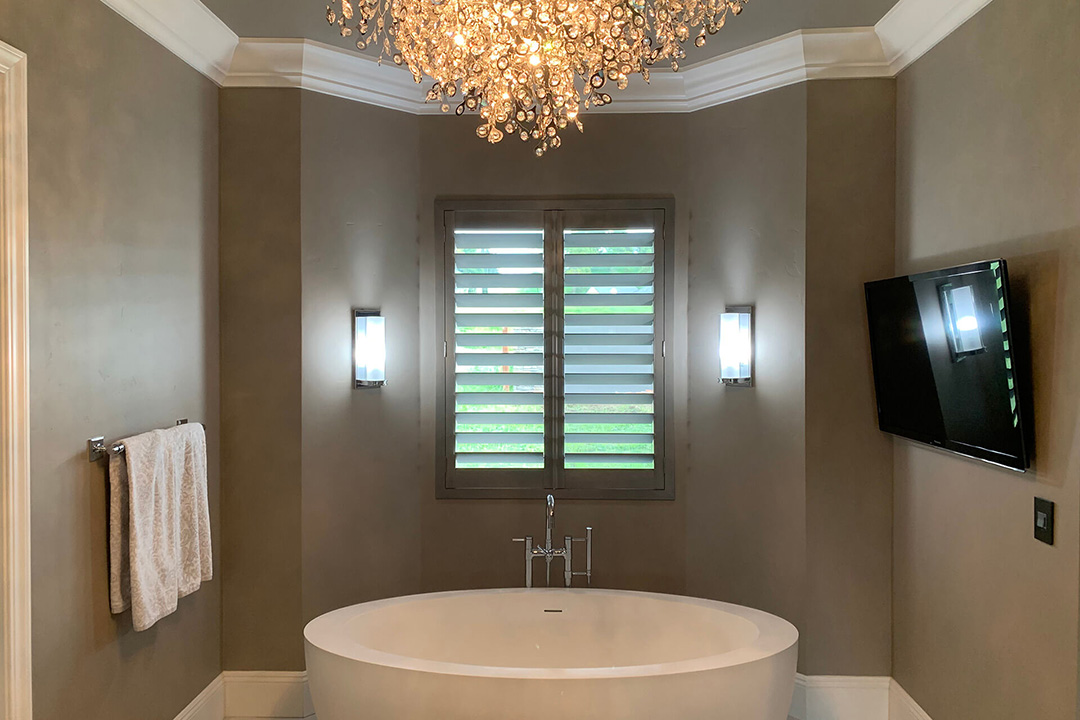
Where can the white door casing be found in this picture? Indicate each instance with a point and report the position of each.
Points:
(15, 678)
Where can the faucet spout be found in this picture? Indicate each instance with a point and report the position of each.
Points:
(550, 520)
(547, 535)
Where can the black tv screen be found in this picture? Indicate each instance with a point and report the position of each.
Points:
(945, 368)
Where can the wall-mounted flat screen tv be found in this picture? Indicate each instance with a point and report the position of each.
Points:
(945, 363)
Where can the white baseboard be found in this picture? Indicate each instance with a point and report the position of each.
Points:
(237, 695)
(902, 706)
(798, 699)
(841, 697)
(207, 705)
(833, 697)
(279, 695)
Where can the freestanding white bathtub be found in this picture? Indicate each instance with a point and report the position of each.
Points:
(550, 654)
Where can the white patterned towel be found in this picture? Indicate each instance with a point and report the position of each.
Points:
(159, 538)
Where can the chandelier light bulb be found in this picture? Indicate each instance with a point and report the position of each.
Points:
(484, 55)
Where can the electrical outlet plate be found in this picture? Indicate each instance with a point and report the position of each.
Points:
(1044, 521)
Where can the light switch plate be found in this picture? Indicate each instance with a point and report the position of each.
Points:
(1044, 521)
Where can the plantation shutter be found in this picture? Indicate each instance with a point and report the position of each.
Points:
(554, 353)
(612, 353)
(496, 338)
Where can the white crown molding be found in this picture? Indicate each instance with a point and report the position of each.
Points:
(185, 27)
(311, 65)
(792, 58)
(912, 27)
(906, 32)
(789, 59)
(15, 616)
(666, 92)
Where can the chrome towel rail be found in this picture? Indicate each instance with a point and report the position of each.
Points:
(96, 449)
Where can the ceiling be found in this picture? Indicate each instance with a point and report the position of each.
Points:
(762, 20)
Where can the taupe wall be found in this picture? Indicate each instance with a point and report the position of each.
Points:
(756, 507)
(370, 523)
(989, 166)
(322, 502)
(123, 338)
(850, 220)
(260, 378)
(468, 543)
(745, 488)
(783, 201)
(361, 502)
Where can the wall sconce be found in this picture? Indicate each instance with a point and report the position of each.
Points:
(369, 348)
(737, 346)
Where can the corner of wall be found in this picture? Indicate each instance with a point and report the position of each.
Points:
(261, 378)
(850, 239)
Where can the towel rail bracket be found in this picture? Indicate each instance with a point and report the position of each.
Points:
(96, 449)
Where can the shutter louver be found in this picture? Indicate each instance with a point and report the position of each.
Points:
(609, 344)
(498, 348)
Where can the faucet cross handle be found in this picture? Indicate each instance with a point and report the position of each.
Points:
(587, 574)
(528, 557)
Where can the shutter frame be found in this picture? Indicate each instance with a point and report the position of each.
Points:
(655, 484)
(623, 482)
(504, 479)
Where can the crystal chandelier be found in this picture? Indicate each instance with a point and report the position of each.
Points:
(518, 62)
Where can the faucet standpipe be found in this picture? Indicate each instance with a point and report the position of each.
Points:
(549, 553)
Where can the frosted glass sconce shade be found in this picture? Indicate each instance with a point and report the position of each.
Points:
(737, 346)
(369, 348)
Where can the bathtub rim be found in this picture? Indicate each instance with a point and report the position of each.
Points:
(775, 636)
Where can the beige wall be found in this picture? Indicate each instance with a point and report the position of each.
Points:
(755, 505)
(370, 524)
(361, 501)
(468, 543)
(785, 492)
(123, 338)
(745, 486)
(850, 221)
(989, 166)
(260, 378)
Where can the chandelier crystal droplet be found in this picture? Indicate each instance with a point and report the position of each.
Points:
(528, 67)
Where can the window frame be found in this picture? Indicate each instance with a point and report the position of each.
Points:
(655, 484)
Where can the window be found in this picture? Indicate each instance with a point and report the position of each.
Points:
(553, 335)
